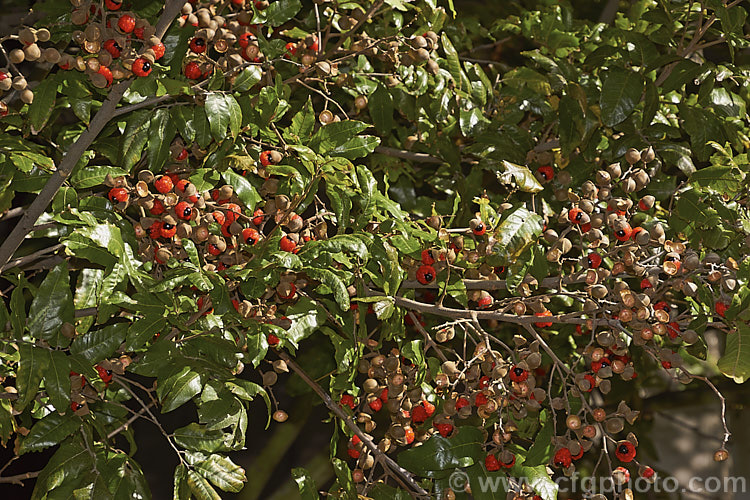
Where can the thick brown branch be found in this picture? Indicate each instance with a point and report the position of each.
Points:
(77, 150)
(19, 478)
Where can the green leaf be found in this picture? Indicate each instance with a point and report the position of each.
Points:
(223, 473)
(93, 175)
(143, 330)
(306, 317)
(57, 380)
(571, 126)
(44, 103)
(200, 487)
(522, 177)
(517, 231)
(223, 111)
(464, 449)
(485, 485)
(542, 449)
(735, 363)
(52, 306)
(71, 462)
(134, 138)
(247, 78)
(454, 65)
(336, 134)
(178, 387)
(194, 436)
(539, 480)
(100, 344)
(303, 123)
(281, 11)
(161, 131)
(381, 109)
(305, 483)
(719, 179)
(31, 365)
(332, 281)
(621, 92)
(244, 190)
(180, 489)
(49, 431)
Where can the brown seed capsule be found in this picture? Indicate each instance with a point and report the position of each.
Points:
(32, 52)
(17, 56)
(632, 156)
(721, 455)
(280, 416)
(325, 117)
(27, 96)
(360, 102)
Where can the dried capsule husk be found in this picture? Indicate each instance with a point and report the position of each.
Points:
(632, 156)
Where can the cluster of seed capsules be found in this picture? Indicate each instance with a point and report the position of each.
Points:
(168, 209)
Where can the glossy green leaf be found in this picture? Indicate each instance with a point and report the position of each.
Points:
(332, 281)
(200, 487)
(443, 454)
(100, 344)
(49, 431)
(247, 78)
(178, 387)
(621, 92)
(52, 306)
(44, 103)
(244, 190)
(381, 109)
(223, 473)
(735, 363)
(305, 483)
(281, 11)
(143, 330)
(57, 380)
(521, 176)
(518, 230)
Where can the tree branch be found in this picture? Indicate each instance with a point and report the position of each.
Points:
(19, 478)
(408, 155)
(78, 149)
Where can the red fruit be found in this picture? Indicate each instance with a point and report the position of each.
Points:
(225, 231)
(168, 230)
(408, 434)
(384, 395)
(721, 308)
(126, 23)
(624, 233)
(158, 208)
(273, 340)
(491, 463)
(484, 382)
(594, 260)
(418, 414)
(112, 4)
(163, 184)
(376, 404)
(104, 374)
(182, 155)
(112, 47)
(106, 73)
(562, 458)
(193, 70)
(200, 302)
(154, 230)
(485, 301)
(265, 158)
(480, 229)
(213, 249)
(287, 245)
(258, 216)
(591, 380)
(232, 211)
(428, 407)
(662, 305)
(75, 406)
(518, 374)
(480, 399)
(622, 471)
(648, 473)
(184, 210)
(543, 324)
(643, 206)
(118, 195)
(138, 32)
(141, 67)
(219, 217)
(352, 453)
(427, 258)
(198, 45)
(245, 39)
(426, 274)
(159, 50)
(250, 236)
(645, 283)
(462, 402)
(347, 400)
(444, 429)
(625, 451)
(291, 48)
(580, 454)
(586, 227)
(575, 215)
(666, 365)
(510, 464)
(673, 330)
(635, 232)
(547, 172)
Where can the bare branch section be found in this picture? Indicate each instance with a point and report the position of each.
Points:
(399, 473)
(77, 150)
